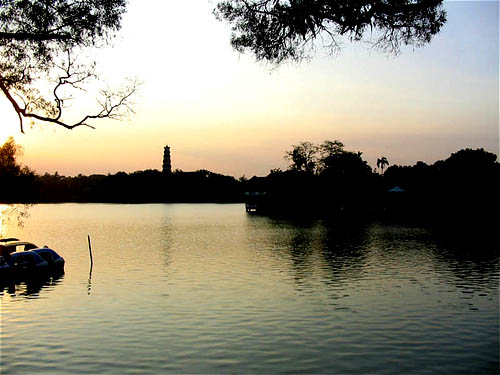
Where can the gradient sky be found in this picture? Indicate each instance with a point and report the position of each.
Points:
(222, 111)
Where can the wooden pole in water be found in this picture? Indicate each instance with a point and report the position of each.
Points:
(90, 252)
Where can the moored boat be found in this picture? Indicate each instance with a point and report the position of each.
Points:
(27, 263)
(25, 259)
(54, 260)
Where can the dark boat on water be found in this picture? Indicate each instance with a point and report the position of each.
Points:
(20, 259)
(54, 260)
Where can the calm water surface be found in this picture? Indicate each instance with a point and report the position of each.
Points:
(211, 289)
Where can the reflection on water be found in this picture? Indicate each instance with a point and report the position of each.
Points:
(30, 288)
(211, 289)
(89, 284)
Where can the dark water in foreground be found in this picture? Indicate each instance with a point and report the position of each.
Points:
(211, 289)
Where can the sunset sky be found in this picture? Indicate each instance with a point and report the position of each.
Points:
(222, 111)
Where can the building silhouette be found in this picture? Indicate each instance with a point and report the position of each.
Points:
(167, 165)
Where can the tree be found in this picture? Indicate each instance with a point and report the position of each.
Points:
(9, 153)
(346, 165)
(327, 150)
(303, 157)
(467, 160)
(16, 181)
(279, 30)
(382, 162)
(39, 41)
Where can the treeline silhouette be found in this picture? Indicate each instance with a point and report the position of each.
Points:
(148, 186)
(321, 180)
(20, 184)
(460, 193)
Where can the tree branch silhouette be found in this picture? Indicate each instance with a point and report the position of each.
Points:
(38, 40)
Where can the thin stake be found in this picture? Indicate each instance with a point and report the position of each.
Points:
(90, 252)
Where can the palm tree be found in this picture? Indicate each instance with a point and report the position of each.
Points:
(382, 162)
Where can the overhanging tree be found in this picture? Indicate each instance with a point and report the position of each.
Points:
(39, 41)
(279, 30)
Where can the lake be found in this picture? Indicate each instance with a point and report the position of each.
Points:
(206, 288)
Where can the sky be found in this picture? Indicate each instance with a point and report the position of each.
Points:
(223, 111)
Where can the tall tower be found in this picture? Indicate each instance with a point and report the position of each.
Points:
(167, 166)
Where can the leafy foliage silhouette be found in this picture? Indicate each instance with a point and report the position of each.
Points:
(280, 30)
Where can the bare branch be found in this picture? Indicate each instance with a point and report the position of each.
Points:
(113, 105)
(33, 35)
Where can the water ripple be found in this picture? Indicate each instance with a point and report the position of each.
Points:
(209, 289)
